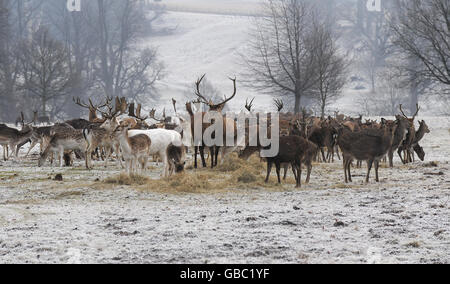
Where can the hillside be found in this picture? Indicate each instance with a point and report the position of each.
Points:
(210, 43)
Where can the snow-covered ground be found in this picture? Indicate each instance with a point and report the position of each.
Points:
(402, 219)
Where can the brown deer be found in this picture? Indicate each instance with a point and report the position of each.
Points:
(399, 135)
(419, 134)
(294, 150)
(176, 158)
(227, 123)
(410, 136)
(369, 145)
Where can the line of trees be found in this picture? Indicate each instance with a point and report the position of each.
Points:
(48, 54)
(293, 52)
(403, 51)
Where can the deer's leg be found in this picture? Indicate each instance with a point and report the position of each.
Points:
(118, 155)
(202, 156)
(278, 168)
(61, 157)
(87, 156)
(349, 170)
(377, 165)
(345, 169)
(391, 158)
(195, 156)
(165, 160)
(399, 152)
(269, 169)
(299, 175)
(212, 151)
(369, 167)
(33, 144)
(286, 168)
(294, 170)
(337, 152)
(323, 155)
(217, 154)
(308, 173)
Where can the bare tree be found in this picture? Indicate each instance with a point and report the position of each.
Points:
(45, 68)
(422, 31)
(280, 60)
(330, 66)
(118, 25)
(16, 17)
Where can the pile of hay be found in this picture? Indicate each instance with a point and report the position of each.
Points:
(233, 174)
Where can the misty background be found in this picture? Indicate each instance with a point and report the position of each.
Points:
(348, 59)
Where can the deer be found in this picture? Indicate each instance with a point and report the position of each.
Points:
(101, 136)
(93, 108)
(399, 135)
(11, 138)
(135, 149)
(161, 140)
(176, 159)
(227, 124)
(294, 150)
(419, 134)
(410, 136)
(369, 145)
(68, 140)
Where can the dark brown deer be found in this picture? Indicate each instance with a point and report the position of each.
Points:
(294, 150)
(410, 136)
(369, 145)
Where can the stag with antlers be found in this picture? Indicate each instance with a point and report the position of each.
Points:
(408, 143)
(227, 123)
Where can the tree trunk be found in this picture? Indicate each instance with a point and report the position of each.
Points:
(298, 102)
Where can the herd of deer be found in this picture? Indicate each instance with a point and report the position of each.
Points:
(124, 132)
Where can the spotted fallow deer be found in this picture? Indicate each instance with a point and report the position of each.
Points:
(135, 149)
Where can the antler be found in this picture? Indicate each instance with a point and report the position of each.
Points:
(152, 116)
(201, 98)
(137, 115)
(212, 106)
(401, 110)
(220, 106)
(279, 104)
(415, 114)
(249, 106)
(81, 103)
(418, 108)
(174, 102)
